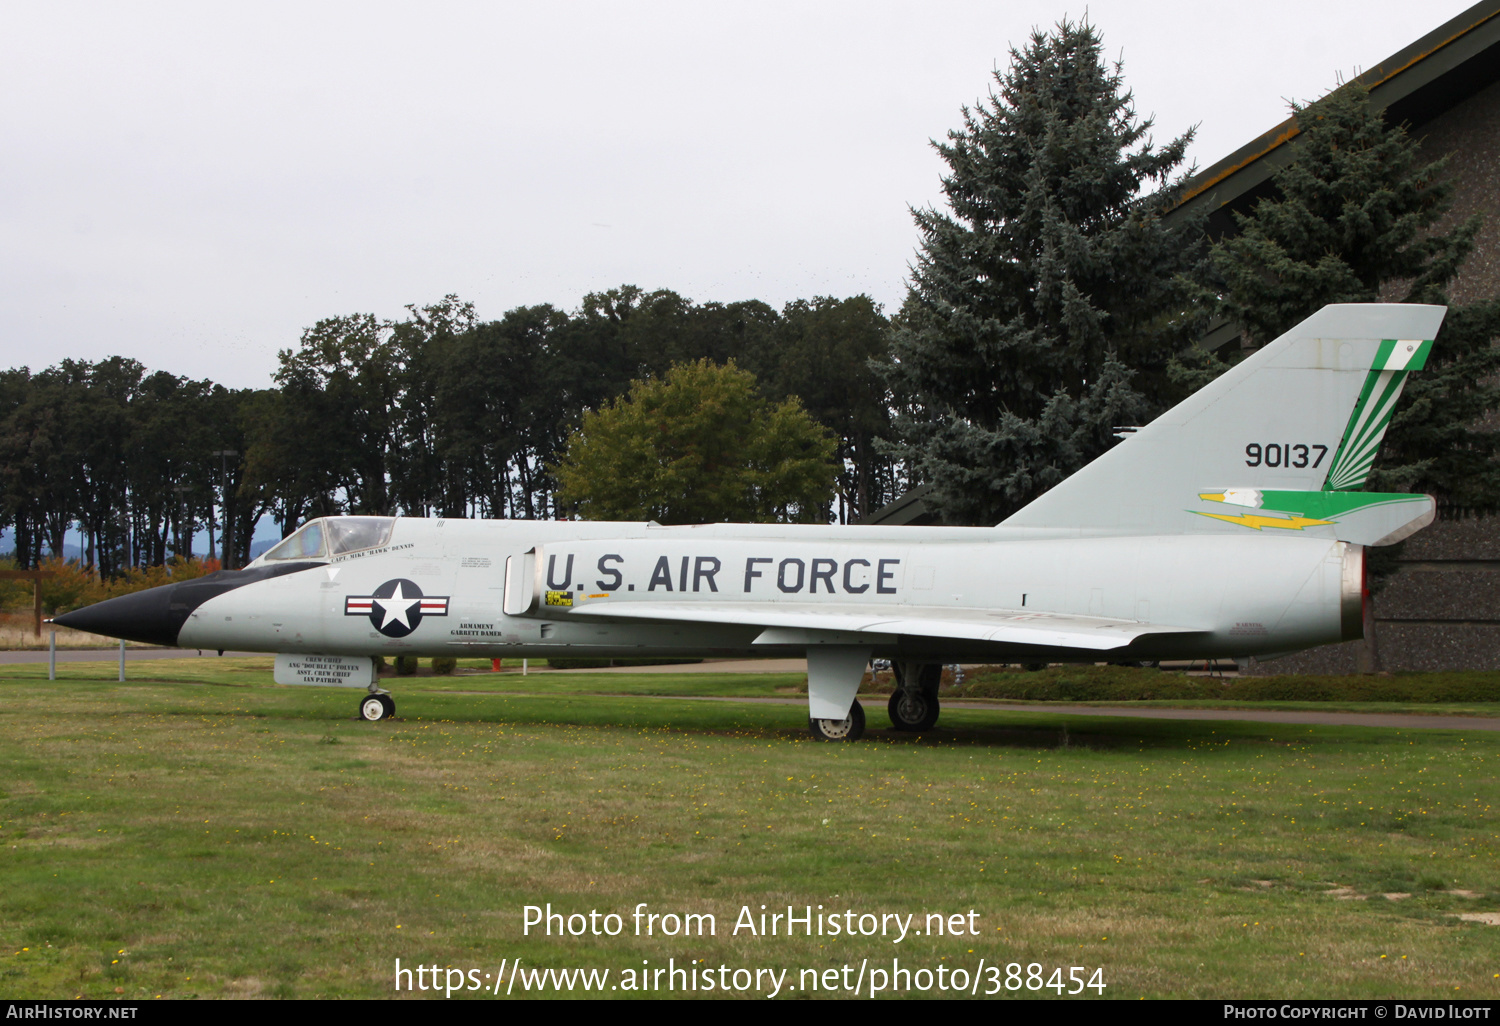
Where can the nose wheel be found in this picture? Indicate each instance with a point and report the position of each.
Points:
(850, 728)
(377, 707)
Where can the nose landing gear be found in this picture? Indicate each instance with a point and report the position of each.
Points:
(377, 705)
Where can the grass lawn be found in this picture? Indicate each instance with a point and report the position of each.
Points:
(199, 832)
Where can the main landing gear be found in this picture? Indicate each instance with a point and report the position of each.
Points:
(913, 708)
(377, 705)
(914, 705)
(850, 728)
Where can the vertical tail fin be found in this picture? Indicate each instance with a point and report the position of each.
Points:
(1305, 414)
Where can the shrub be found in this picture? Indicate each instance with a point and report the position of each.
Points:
(443, 666)
(406, 665)
(883, 682)
(74, 585)
(15, 595)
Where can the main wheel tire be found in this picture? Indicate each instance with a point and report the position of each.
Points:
(390, 705)
(850, 728)
(373, 708)
(913, 710)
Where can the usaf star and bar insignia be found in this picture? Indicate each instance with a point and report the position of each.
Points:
(397, 607)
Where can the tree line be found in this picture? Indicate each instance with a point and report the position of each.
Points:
(438, 413)
(121, 453)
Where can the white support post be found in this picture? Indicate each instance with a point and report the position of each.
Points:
(122, 661)
(52, 656)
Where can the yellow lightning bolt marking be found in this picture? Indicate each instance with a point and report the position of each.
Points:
(1258, 521)
(1213, 496)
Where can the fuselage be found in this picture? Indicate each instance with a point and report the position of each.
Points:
(526, 588)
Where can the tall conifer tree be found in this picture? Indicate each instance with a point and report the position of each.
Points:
(1041, 309)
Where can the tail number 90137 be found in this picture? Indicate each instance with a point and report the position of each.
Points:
(1284, 454)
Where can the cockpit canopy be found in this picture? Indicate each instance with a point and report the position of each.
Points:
(327, 537)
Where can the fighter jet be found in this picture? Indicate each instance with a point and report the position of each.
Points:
(1230, 526)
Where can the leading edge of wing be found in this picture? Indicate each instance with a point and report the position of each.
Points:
(1017, 627)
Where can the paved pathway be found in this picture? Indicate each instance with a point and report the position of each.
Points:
(100, 655)
(110, 655)
(707, 666)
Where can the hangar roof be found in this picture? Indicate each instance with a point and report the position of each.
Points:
(1413, 85)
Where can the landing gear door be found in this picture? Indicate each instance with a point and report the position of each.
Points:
(520, 583)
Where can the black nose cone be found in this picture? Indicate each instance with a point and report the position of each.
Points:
(146, 616)
(155, 616)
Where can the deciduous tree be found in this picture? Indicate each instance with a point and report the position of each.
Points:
(700, 445)
(823, 352)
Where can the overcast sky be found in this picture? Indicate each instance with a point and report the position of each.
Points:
(193, 184)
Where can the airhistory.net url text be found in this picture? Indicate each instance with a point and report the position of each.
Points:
(862, 980)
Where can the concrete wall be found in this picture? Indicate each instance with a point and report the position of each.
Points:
(1469, 136)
